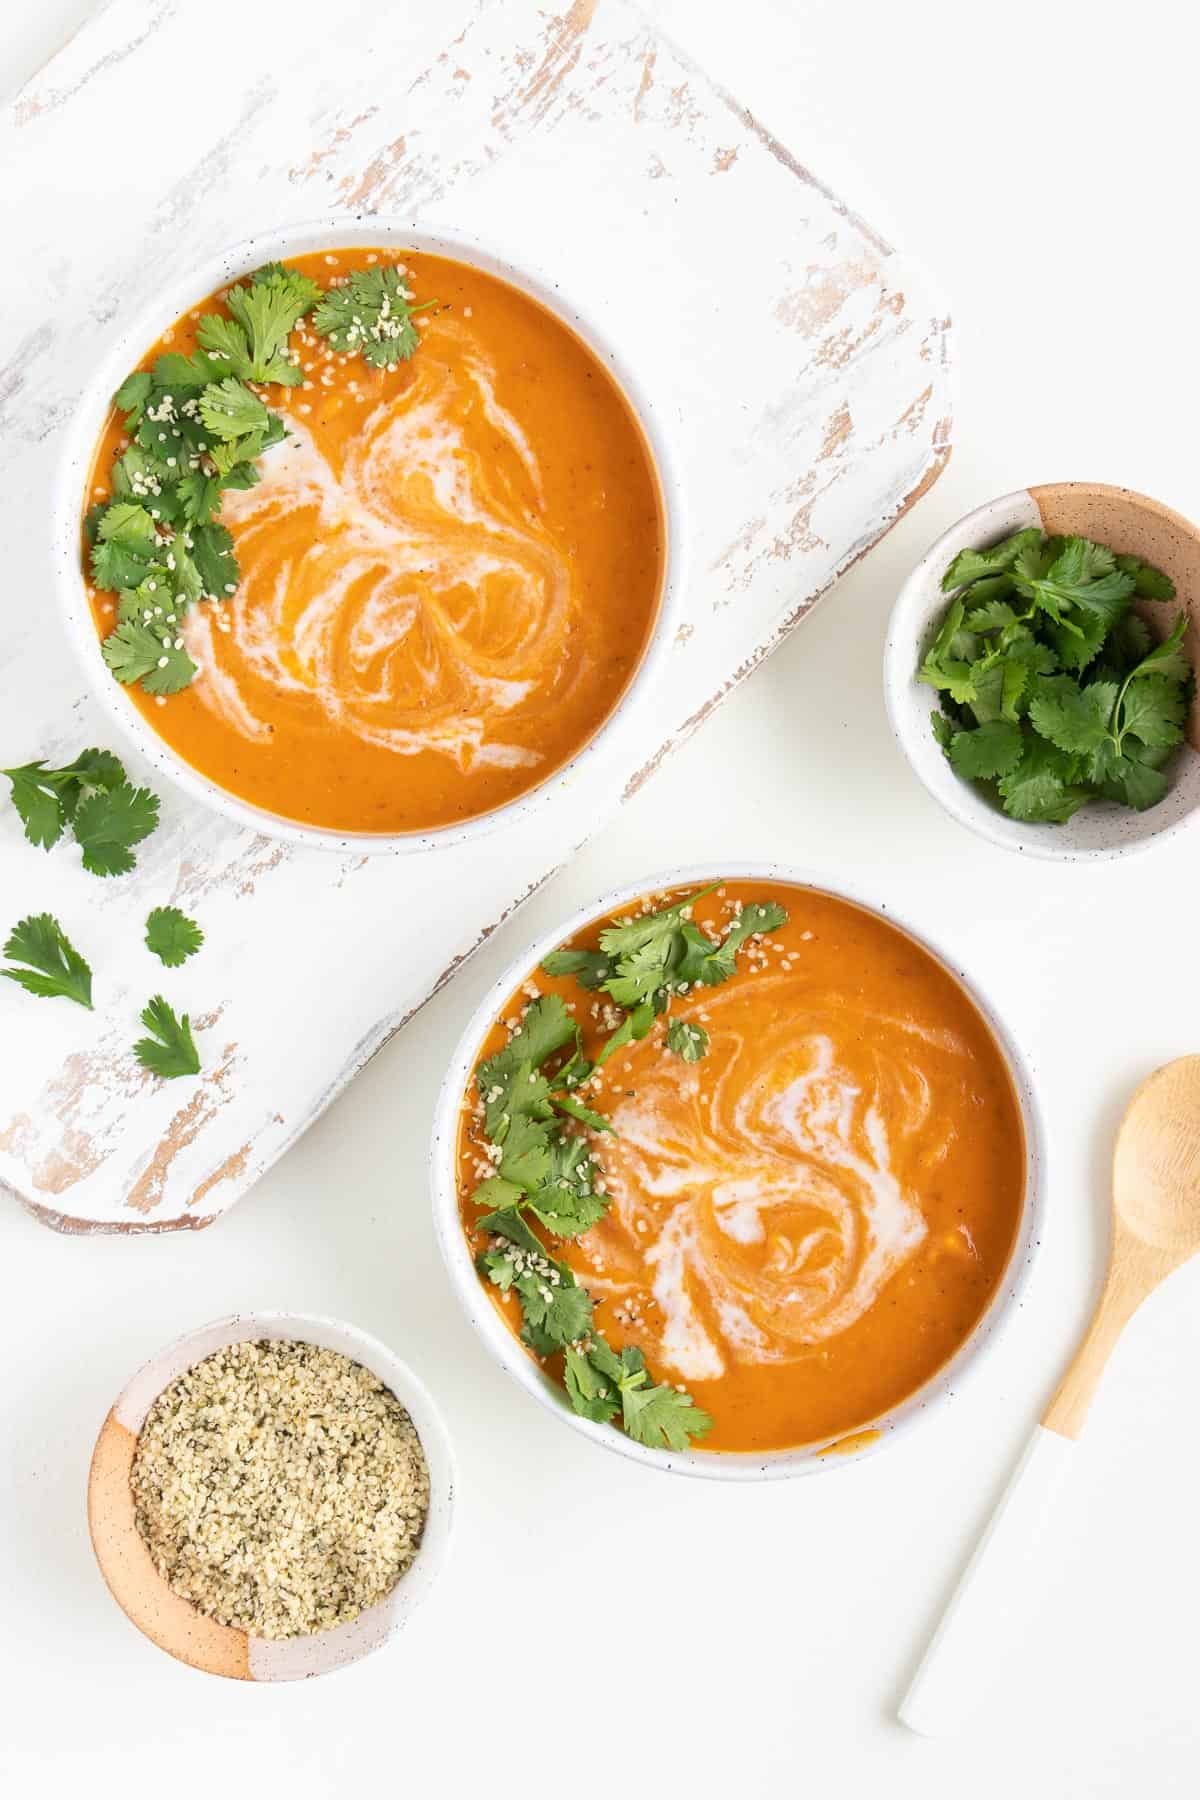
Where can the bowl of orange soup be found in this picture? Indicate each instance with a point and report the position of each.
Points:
(367, 536)
(736, 1173)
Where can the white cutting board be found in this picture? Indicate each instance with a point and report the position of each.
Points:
(800, 362)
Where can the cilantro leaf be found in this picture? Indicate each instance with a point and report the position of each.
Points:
(987, 751)
(1147, 580)
(371, 314)
(172, 936)
(593, 1394)
(1043, 786)
(506, 1220)
(189, 374)
(566, 1213)
(108, 822)
(754, 920)
(970, 565)
(267, 310)
(1167, 658)
(55, 969)
(135, 651)
(38, 805)
(629, 936)
(1075, 719)
(504, 1079)
(593, 1120)
(659, 1416)
(943, 729)
(591, 968)
(1154, 710)
(556, 1310)
(199, 497)
(1131, 776)
(687, 1040)
(230, 410)
(212, 553)
(170, 1050)
(133, 392)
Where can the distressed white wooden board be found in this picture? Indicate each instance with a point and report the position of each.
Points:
(802, 362)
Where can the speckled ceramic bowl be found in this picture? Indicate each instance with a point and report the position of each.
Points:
(123, 354)
(1111, 515)
(173, 1623)
(503, 1346)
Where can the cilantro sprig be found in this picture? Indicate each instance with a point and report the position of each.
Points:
(1053, 692)
(53, 967)
(170, 1049)
(644, 961)
(108, 816)
(557, 1313)
(544, 1173)
(371, 314)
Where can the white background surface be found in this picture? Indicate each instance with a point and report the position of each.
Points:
(602, 1626)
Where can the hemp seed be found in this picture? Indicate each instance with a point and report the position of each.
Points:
(280, 1487)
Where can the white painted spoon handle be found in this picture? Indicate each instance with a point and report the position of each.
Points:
(993, 1598)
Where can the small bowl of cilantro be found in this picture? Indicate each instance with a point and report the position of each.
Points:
(1039, 671)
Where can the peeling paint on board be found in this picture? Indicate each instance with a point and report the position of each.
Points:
(493, 121)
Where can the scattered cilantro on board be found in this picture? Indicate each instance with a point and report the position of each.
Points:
(106, 813)
(172, 936)
(544, 1173)
(1053, 692)
(196, 427)
(53, 968)
(170, 1050)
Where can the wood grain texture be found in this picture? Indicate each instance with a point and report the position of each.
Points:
(801, 364)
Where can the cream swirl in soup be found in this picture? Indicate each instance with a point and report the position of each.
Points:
(415, 591)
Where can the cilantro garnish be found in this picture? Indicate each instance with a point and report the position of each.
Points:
(545, 1174)
(371, 313)
(602, 1384)
(1052, 690)
(106, 813)
(170, 1050)
(687, 1040)
(198, 428)
(55, 969)
(172, 936)
(645, 960)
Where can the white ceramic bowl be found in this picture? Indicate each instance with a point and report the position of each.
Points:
(507, 1351)
(173, 1623)
(126, 351)
(1123, 520)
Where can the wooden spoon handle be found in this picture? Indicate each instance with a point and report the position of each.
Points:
(990, 1608)
(1133, 1271)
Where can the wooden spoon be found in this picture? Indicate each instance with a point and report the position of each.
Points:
(1156, 1226)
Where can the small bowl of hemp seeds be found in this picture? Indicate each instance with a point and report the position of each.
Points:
(270, 1498)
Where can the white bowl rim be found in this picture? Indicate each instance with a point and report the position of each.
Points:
(899, 673)
(324, 1652)
(126, 348)
(942, 1386)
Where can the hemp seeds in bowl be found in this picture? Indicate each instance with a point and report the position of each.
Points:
(271, 1497)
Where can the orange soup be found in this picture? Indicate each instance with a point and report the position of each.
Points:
(805, 1223)
(448, 570)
